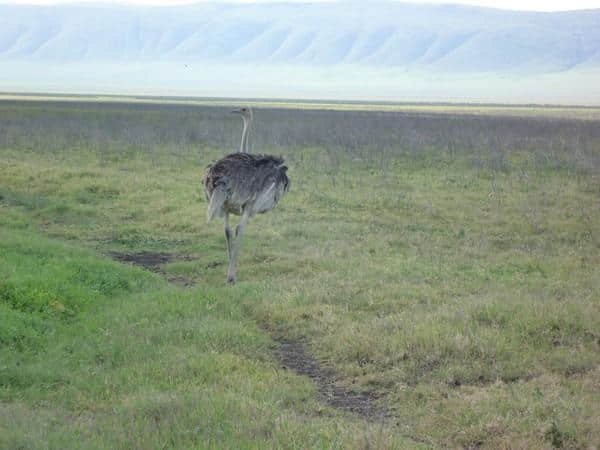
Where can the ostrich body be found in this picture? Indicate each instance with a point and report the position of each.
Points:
(243, 184)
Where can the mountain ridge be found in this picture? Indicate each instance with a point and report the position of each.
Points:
(443, 38)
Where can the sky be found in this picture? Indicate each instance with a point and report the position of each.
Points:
(530, 5)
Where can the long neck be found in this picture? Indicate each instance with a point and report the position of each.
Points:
(244, 145)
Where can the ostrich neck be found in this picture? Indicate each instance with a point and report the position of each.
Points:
(244, 145)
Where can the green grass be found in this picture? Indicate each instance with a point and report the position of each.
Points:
(100, 355)
(462, 292)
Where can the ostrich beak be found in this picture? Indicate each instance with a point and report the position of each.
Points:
(236, 111)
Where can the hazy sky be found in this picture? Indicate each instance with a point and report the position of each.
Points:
(536, 5)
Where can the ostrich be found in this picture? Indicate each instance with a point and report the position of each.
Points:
(243, 184)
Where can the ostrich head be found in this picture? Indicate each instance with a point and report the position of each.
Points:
(245, 112)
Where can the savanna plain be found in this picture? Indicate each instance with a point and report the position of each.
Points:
(442, 266)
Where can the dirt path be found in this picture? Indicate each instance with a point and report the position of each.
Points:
(292, 356)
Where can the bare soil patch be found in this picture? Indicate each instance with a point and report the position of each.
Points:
(292, 356)
(153, 261)
(148, 260)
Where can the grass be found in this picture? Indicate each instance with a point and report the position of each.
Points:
(447, 264)
(519, 110)
(100, 355)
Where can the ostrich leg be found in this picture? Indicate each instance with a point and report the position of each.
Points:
(228, 236)
(235, 247)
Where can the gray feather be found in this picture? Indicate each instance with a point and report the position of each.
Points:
(245, 182)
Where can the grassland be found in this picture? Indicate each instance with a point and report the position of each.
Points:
(446, 264)
(515, 110)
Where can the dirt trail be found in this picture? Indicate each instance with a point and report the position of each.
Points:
(292, 356)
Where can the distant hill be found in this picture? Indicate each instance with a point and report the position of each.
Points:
(379, 36)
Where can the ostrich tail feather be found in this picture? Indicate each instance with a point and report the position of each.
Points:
(215, 206)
